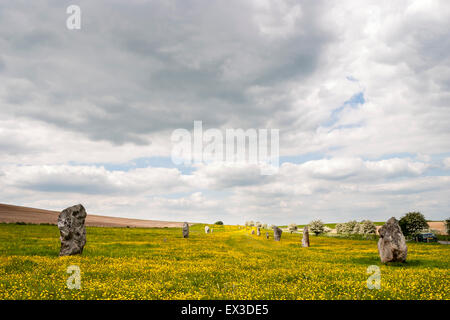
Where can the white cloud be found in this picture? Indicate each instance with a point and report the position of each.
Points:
(364, 87)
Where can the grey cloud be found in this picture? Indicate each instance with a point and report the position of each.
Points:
(175, 63)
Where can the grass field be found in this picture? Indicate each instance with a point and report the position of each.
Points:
(132, 263)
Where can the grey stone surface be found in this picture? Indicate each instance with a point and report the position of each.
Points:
(392, 244)
(253, 231)
(267, 235)
(305, 239)
(277, 233)
(185, 230)
(72, 230)
(258, 231)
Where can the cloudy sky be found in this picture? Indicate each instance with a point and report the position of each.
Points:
(360, 91)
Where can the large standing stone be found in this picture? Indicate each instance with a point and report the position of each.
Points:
(392, 245)
(267, 235)
(258, 231)
(277, 233)
(305, 239)
(206, 229)
(72, 230)
(185, 230)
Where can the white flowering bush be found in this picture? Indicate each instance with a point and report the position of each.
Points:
(340, 228)
(367, 227)
(356, 228)
(349, 227)
(316, 226)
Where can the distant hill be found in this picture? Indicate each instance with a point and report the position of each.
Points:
(14, 214)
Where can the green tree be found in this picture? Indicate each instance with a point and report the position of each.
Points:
(220, 223)
(412, 223)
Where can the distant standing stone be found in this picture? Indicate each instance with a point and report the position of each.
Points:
(72, 230)
(267, 235)
(305, 239)
(185, 230)
(206, 229)
(253, 231)
(277, 233)
(392, 245)
(258, 231)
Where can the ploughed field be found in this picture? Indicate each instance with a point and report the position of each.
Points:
(11, 214)
(230, 263)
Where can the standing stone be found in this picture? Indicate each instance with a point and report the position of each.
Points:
(253, 231)
(277, 233)
(72, 230)
(267, 235)
(185, 230)
(392, 245)
(206, 229)
(305, 239)
(258, 231)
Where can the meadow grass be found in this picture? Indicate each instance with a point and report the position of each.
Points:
(230, 263)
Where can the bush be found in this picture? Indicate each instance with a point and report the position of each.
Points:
(367, 227)
(264, 226)
(340, 228)
(412, 223)
(220, 223)
(357, 229)
(348, 227)
(292, 227)
(316, 226)
(258, 224)
(249, 224)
